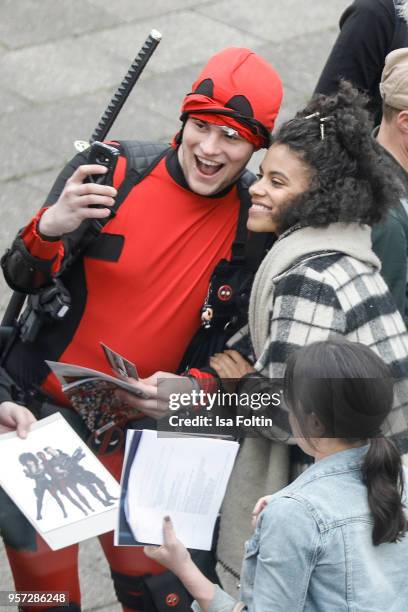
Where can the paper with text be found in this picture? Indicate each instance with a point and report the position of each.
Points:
(183, 477)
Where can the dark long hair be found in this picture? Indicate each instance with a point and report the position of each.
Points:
(350, 390)
(351, 179)
(24, 458)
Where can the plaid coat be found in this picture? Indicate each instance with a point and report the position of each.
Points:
(323, 295)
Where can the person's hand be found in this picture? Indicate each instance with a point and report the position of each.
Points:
(173, 554)
(158, 388)
(15, 417)
(230, 364)
(259, 506)
(72, 207)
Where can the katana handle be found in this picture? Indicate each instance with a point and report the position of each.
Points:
(8, 323)
(124, 89)
(13, 309)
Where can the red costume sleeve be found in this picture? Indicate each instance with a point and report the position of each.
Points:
(41, 248)
(206, 380)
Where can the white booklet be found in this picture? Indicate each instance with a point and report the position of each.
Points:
(58, 483)
(184, 477)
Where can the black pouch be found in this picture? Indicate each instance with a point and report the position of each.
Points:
(165, 590)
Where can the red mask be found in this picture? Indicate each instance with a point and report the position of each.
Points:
(240, 89)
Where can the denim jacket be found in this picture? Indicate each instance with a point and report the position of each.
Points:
(312, 549)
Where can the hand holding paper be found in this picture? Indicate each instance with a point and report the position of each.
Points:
(172, 554)
(14, 417)
(93, 394)
(158, 387)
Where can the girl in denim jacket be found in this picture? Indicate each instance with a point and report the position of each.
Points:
(334, 539)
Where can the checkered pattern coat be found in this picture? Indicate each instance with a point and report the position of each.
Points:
(324, 295)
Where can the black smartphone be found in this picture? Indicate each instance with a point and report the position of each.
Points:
(104, 155)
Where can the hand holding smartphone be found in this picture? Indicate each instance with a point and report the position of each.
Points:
(103, 155)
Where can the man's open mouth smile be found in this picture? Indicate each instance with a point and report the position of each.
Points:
(207, 167)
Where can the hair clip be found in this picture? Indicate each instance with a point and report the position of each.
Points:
(321, 122)
(316, 114)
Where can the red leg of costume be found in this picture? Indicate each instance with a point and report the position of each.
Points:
(46, 570)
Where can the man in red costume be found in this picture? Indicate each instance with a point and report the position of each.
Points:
(138, 288)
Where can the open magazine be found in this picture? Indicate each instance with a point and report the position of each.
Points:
(182, 476)
(93, 393)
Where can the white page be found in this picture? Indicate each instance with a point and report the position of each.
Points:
(56, 529)
(64, 371)
(184, 478)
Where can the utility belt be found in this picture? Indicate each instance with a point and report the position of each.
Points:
(52, 303)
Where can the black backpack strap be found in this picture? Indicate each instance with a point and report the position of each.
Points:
(238, 250)
(142, 157)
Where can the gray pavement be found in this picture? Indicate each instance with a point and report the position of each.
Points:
(60, 62)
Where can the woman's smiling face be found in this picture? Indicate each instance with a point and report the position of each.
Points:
(282, 179)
